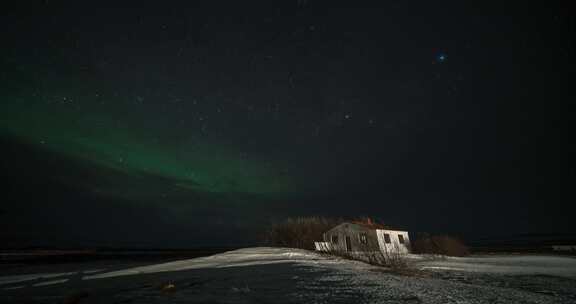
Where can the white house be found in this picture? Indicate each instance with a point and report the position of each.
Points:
(361, 237)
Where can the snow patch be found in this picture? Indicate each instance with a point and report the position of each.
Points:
(29, 277)
(93, 271)
(14, 287)
(236, 258)
(50, 282)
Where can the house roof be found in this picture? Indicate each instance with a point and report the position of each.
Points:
(371, 225)
(368, 225)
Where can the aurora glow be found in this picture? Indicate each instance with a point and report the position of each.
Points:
(133, 149)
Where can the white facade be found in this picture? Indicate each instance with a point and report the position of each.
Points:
(323, 246)
(393, 241)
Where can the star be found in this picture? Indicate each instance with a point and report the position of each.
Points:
(441, 57)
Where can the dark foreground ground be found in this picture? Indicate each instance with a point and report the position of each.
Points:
(224, 285)
(273, 276)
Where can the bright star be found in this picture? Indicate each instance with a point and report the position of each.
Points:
(441, 57)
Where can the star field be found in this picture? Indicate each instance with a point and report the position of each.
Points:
(252, 113)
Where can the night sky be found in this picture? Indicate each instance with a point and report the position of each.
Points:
(189, 125)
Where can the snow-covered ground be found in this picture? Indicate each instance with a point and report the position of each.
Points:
(281, 275)
(511, 265)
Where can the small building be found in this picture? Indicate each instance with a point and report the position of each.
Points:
(564, 248)
(362, 237)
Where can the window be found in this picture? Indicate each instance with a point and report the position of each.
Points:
(401, 239)
(387, 238)
(335, 239)
(363, 238)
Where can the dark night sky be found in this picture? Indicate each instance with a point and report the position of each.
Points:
(175, 125)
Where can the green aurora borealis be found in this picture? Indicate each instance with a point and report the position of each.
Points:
(81, 132)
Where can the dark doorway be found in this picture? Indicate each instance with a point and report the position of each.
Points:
(348, 244)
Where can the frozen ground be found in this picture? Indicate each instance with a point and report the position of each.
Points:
(278, 275)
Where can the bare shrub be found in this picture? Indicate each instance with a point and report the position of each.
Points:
(394, 260)
(440, 245)
(299, 232)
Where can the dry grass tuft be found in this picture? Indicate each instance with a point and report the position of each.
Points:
(76, 298)
(168, 287)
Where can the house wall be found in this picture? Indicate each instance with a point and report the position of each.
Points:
(323, 246)
(354, 231)
(394, 246)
